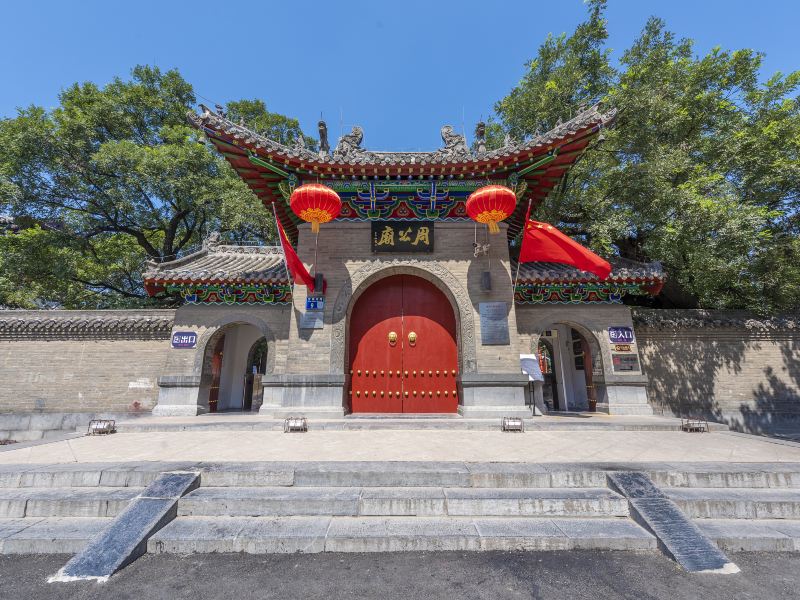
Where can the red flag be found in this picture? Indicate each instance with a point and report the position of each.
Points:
(543, 242)
(293, 262)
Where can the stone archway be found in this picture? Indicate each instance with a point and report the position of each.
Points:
(429, 270)
(217, 328)
(579, 344)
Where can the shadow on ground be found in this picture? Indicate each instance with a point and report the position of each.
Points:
(410, 576)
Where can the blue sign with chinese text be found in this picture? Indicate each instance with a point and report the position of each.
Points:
(621, 335)
(184, 339)
(315, 303)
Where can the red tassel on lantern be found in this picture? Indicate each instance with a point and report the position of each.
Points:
(315, 203)
(491, 204)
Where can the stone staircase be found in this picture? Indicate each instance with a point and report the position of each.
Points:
(374, 507)
(743, 508)
(57, 509)
(394, 506)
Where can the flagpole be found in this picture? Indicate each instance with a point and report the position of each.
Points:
(280, 241)
(524, 226)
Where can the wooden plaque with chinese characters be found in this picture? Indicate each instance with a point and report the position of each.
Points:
(402, 236)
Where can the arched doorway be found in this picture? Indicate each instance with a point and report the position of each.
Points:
(572, 359)
(403, 349)
(234, 356)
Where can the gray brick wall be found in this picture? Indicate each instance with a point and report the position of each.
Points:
(747, 378)
(82, 361)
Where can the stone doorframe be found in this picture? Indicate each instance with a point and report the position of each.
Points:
(431, 271)
(186, 394)
(231, 319)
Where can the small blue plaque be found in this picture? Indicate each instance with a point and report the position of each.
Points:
(621, 335)
(184, 339)
(315, 303)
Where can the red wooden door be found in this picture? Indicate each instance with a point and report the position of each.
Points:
(416, 373)
(430, 355)
(216, 372)
(376, 363)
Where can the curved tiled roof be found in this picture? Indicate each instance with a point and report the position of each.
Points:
(455, 151)
(221, 264)
(139, 324)
(622, 270)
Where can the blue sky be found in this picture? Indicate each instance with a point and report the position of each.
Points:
(398, 69)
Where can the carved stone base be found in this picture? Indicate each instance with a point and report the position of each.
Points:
(490, 395)
(178, 396)
(317, 396)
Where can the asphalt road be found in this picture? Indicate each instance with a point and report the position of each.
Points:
(600, 575)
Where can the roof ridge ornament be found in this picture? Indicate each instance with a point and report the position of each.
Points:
(455, 145)
(349, 145)
(213, 240)
(324, 146)
(480, 137)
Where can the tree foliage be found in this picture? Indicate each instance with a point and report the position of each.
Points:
(113, 176)
(701, 170)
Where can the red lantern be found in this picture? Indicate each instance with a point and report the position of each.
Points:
(491, 204)
(315, 203)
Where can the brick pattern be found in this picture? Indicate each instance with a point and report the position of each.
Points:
(747, 378)
(344, 248)
(80, 375)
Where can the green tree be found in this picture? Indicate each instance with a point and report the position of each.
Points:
(700, 170)
(254, 114)
(111, 177)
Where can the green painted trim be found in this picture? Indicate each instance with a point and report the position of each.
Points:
(262, 163)
(539, 163)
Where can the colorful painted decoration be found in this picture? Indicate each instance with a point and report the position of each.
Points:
(238, 293)
(577, 293)
(491, 204)
(315, 203)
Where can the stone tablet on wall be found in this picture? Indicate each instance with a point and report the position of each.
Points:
(625, 362)
(311, 319)
(494, 323)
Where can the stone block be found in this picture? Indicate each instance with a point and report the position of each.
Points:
(394, 534)
(254, 535)
(520, 534)
(53, 536)
(530, 502)
(245, 474)
(266, 501)
(77, 502)
(407, 502)
(513, 475)
(383, 474)
(606, 534)
(737, 503)
(735, 535)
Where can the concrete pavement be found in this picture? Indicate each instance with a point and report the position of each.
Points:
(572, 446)
(568, 575)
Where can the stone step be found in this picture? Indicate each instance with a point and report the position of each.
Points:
(127, 474)
(757, 535)
(729, 476)
(402, 501)
(261, 535)
(64, 502)
(444, 474)
(55, 535)
(736, 503)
